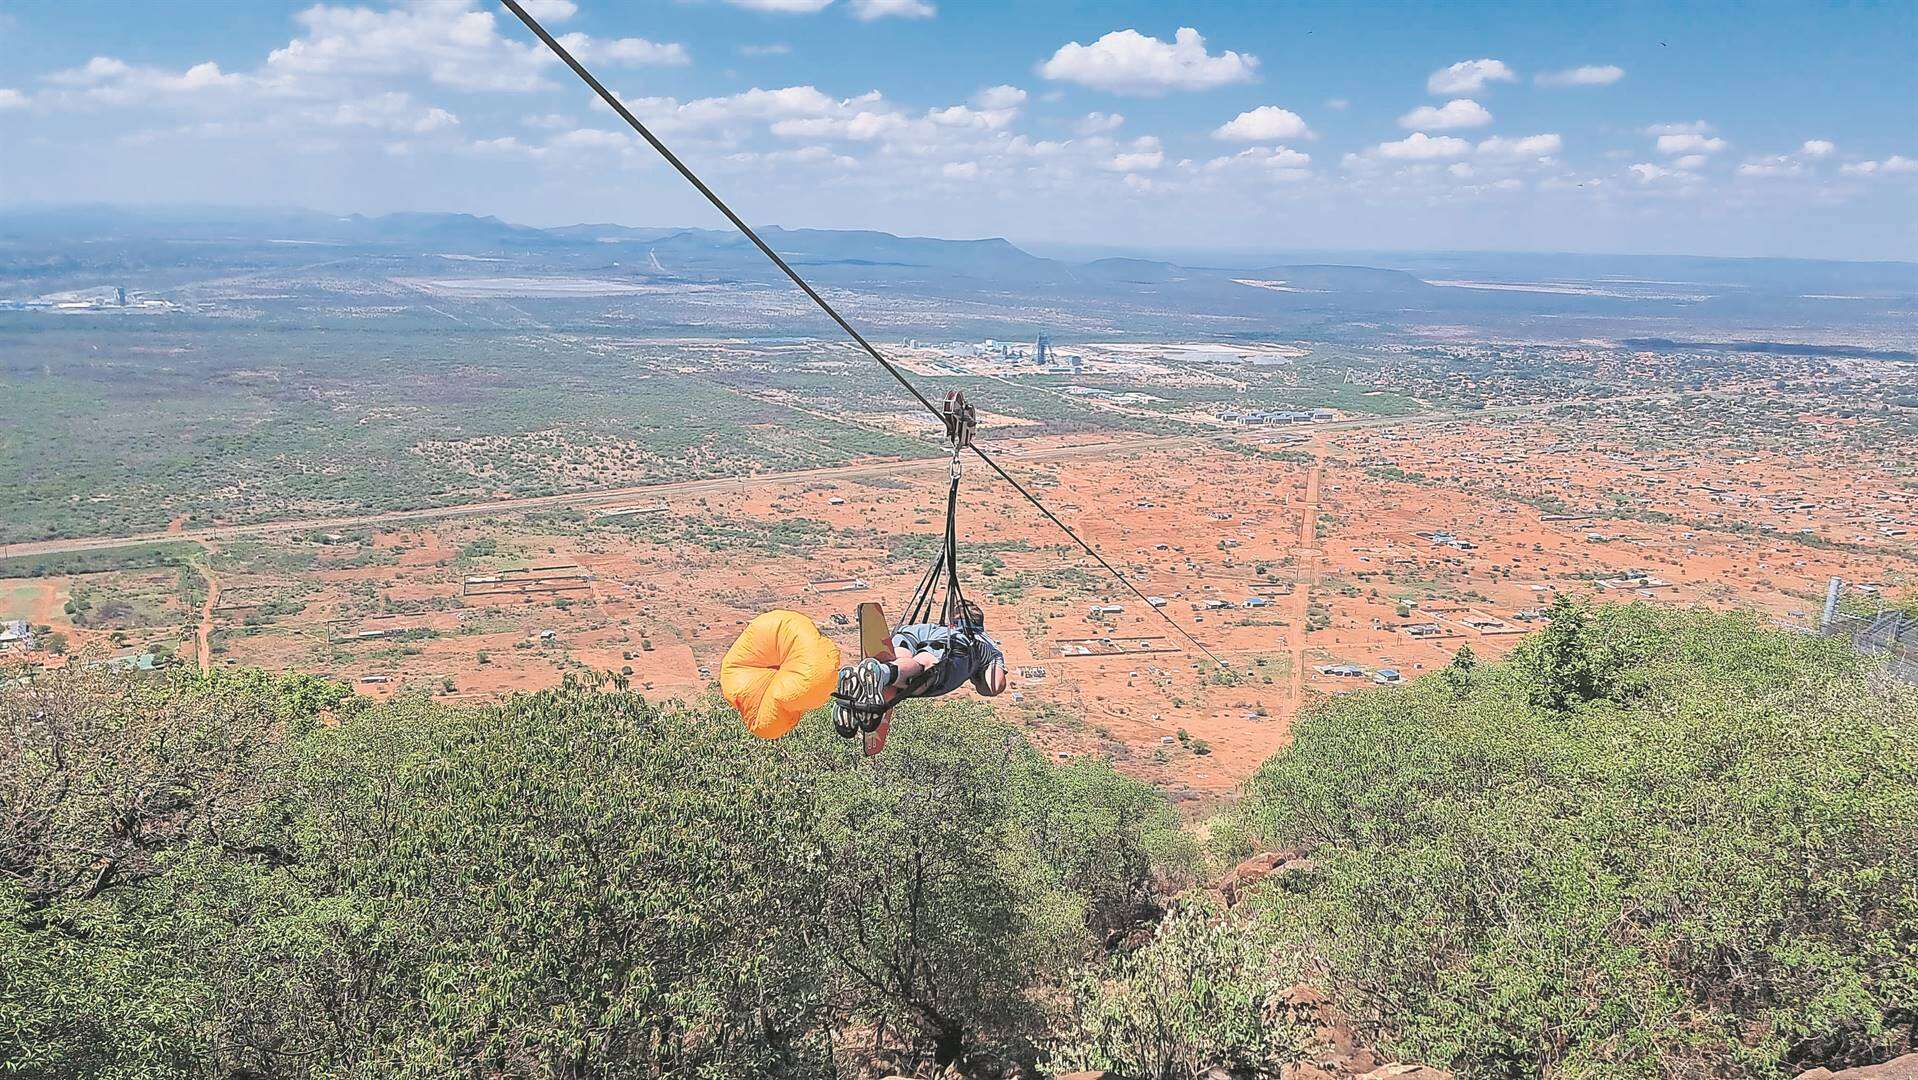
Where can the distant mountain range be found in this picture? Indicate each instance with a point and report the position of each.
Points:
(1553, 297)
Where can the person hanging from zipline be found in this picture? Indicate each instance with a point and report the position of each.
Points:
(929, 660)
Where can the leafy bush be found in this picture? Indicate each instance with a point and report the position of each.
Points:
(1652, 844)
(1204, 994)
(204, 879)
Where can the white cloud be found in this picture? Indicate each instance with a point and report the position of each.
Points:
(1337, 104)
(1274, 162)
(1782, 165)
(391, 111)
(1469, 76)
(1461, 170)
(1694, 127)
(960, 170)
(1457, 113)
(1588, 75)
(447, 42)
(784, 7)
(505, 146)
(862, 126)
(1267, 123)
(551, 11)
(1095, 123)
(714, 116)
(961, 116)
(1817, 148)
(999, 97)
(902, 9)
(1527, 147)
(1690, 162)
(1419, 146)
(777, 48)
(1128, 62)
(1689, 143)
(1894, 164)
(12, 99)
(1143, 161)
(593, 139)
(1646, 172)
(110, 81)
(1898, 164)
(630, 50)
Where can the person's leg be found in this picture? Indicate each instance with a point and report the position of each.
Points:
(907, 668)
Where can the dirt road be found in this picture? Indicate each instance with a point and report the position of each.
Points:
(1307, 580)
(205, 634)
(1093, 447)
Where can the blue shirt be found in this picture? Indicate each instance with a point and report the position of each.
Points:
(964, 655)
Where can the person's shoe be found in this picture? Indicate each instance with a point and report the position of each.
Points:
(843, 720)
(860, 701)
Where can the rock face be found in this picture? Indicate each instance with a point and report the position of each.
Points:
(1900, 1068)
(1258, 868)
(1336, 1053)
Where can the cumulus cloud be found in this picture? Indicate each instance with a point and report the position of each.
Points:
(1140, 161)
(631, 50)
(1530, 146)
(1689, 143)
(999, 97)
(108, 80)
(447, 43)
(551, 11)
(392, 111)
(1142, 154)
(1589, 75)
(1690, 162)
(1096, 123)
(1782, 165)
(1457, 113)
(1645, 172)
(1693, 127)
(1469, 76)
(1128, 62)
(963, 116)
(1270, 162)
(1267, 123)
(1817, 148)
(12, 99)
(1896, 163)
(1419, 146)
(896, 9)
(714, 115)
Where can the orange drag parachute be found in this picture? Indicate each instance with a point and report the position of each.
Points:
(780, 668)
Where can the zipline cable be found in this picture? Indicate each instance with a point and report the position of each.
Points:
(891, 369)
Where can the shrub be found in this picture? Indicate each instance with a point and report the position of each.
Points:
(1652, 844)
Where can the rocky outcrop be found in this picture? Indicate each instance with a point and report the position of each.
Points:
(1335, 1052)
(1258, 868)
(1900, 1068)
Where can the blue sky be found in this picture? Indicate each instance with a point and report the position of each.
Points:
(1725, 129)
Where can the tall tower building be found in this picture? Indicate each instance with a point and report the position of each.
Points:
(1042, 349)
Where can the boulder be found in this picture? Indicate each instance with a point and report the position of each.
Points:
(1256, 869)
(1898, 1068)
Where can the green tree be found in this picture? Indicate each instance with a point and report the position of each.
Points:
(1696, 855)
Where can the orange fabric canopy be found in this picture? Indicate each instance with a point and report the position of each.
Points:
(780, 668)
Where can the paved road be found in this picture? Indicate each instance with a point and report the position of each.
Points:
(602, 496)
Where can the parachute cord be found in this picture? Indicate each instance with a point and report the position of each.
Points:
(739, 223)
